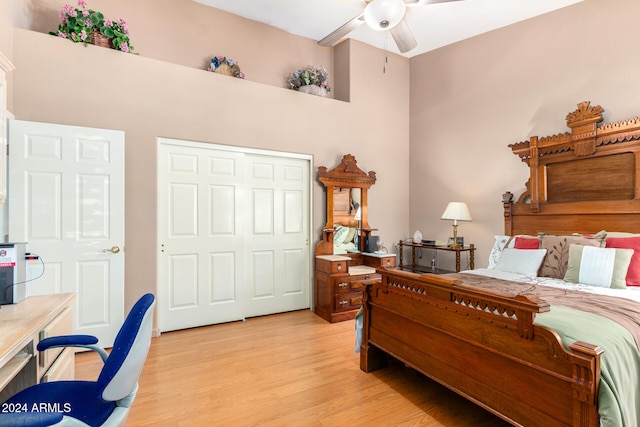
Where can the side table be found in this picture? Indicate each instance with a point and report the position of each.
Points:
(423, 269)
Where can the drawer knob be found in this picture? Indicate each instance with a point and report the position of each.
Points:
(343, 285)
(366, 277)
(339, 267)
(343, 302)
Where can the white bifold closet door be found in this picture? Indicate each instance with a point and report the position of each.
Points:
(233, 233)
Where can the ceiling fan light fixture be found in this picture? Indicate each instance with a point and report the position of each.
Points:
(383, 15)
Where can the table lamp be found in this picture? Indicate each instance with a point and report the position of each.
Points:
(456, 211)
(358, 217)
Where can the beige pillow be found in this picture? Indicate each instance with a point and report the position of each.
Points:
(350, 235)
(557, 246)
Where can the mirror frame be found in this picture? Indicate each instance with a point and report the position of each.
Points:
(346, 175)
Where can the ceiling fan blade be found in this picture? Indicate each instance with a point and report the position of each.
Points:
(403, 37)
(345, 29)
(411, 3)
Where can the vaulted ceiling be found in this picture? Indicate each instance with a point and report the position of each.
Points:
(433, 25)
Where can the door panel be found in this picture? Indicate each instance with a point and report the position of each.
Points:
(244, 223)
(197, 231)
(280, 215)
(184, 275)
(66, 200)
(222, 283)
(43, 192)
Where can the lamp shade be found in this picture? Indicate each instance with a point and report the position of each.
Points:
(358, 215)
(383, 15)
(457, 211)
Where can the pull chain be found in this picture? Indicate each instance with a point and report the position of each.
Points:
(384, 64)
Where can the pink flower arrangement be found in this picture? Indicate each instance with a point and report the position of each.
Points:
(77, 24)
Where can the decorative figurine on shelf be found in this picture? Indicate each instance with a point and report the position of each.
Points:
(417, 237)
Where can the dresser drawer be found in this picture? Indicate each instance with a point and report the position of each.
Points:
(388, 262)
(339, 267)
(362, 283)
(335, 265)
(341, 284)
(348, 301)
(383, 261)
(362, 280)
(353, 283)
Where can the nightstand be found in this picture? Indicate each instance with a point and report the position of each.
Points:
(424, 269)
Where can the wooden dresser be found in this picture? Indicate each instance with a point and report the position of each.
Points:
(339, 285)
(340, 280)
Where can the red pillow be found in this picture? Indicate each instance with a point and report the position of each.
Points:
(526, 243)
(633, 273)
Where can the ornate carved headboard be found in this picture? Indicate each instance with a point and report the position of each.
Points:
(581, 181)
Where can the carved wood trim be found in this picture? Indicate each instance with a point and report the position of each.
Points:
(585, 136)
(588, 139)
(346, 174)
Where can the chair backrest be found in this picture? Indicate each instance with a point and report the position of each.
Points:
(120, 372)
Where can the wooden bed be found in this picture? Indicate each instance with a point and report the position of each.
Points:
(484, 345)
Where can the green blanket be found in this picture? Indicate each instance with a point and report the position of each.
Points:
(619, 393)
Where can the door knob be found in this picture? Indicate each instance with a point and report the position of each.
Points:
(113, 249)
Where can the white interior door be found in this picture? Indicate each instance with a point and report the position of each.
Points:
(233, 229)
(66, 200)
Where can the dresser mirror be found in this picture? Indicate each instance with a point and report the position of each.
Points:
(347, 215)
(347, 227)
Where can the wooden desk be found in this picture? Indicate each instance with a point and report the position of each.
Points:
(22, 326)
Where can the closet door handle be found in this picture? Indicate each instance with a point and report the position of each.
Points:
(113, 250)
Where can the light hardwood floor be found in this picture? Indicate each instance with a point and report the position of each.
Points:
(290, 369)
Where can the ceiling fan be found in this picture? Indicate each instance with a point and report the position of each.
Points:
(383, 15)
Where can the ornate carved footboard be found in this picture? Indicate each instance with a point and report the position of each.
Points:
(484, 346)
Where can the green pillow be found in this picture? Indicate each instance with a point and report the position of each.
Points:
(339, 235)
(603, 267)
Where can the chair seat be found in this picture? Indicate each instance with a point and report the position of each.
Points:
(76, 399)
(32, 419)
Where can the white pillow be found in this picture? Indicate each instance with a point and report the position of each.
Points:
(521, 261)
(498, 247)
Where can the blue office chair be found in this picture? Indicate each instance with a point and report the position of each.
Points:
(104, 402)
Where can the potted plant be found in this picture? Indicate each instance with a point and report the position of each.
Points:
(83, 25)
(118, 32)
(310, 79)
